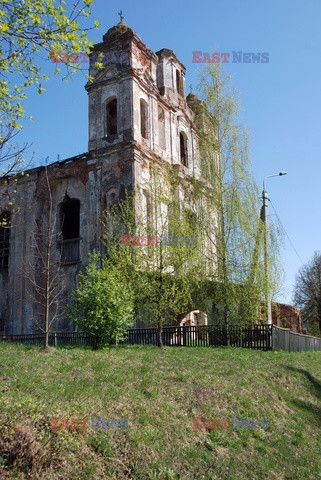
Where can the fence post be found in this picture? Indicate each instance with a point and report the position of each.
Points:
(265, 337)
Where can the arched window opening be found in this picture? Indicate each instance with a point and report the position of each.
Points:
(178, 82)
(70, 230)
(183, 149)
(4, 240)
(143, 119)
(111, 115)
(112, 197)
(161, 128)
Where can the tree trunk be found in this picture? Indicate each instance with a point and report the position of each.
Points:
(319, 316)
(160, 319)
(47, 269)
(47, 301)
(160, 334)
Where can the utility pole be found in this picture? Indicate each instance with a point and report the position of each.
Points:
(264, 218)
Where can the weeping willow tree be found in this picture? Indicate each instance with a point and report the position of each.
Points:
(152, 236)
(235, 231)
(220, 205)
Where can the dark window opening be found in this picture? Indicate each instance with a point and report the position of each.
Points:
(143, 119)
(183, 149)
(4, 240)
(178, 82)
(70, 230)
(111, 112)
(161, 128)
(112, 198)
(191, 218)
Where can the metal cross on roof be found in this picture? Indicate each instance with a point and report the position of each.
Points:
(121, 16)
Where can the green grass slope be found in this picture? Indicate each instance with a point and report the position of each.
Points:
(159, 392)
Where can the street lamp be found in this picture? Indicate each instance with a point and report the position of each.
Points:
(264, 218)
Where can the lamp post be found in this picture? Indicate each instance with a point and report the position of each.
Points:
(264, 218)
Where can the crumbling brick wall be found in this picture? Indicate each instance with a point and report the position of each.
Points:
(287, 316)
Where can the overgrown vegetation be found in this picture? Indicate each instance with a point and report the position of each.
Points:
(236, 234)
(103, 305)
(221, 273)
(31, 31)
(158, 248)
(159, 392)
(307, 294)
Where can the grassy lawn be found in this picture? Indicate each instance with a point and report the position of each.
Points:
(159, 392)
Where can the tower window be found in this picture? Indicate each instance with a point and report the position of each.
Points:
(183, 149)
(178, 82)
(70, 230)
(111, 116)
(112, 197)
(143, 119)
(161, 128)
(4, 240)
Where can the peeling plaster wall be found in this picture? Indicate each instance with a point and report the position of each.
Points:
(89, 181)
(114, 163)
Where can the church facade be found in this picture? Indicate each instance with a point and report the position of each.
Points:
(139, 116)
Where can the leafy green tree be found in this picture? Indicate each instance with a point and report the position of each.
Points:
(160, 249)
(307, 294)
(235, 233)
(30, 31)
(103, 304)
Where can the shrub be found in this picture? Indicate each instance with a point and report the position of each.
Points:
(103, 304)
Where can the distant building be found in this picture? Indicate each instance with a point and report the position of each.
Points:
(286, 316)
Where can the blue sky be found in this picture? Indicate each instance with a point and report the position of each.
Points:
(281, 101)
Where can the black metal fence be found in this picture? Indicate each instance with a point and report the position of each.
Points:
(257, 337)
(284, 339)
(54, 339)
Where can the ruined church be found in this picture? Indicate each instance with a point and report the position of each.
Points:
(138, 115)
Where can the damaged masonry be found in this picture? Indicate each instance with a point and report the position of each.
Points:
(138, 115)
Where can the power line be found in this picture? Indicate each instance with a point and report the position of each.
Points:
(288, 237)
